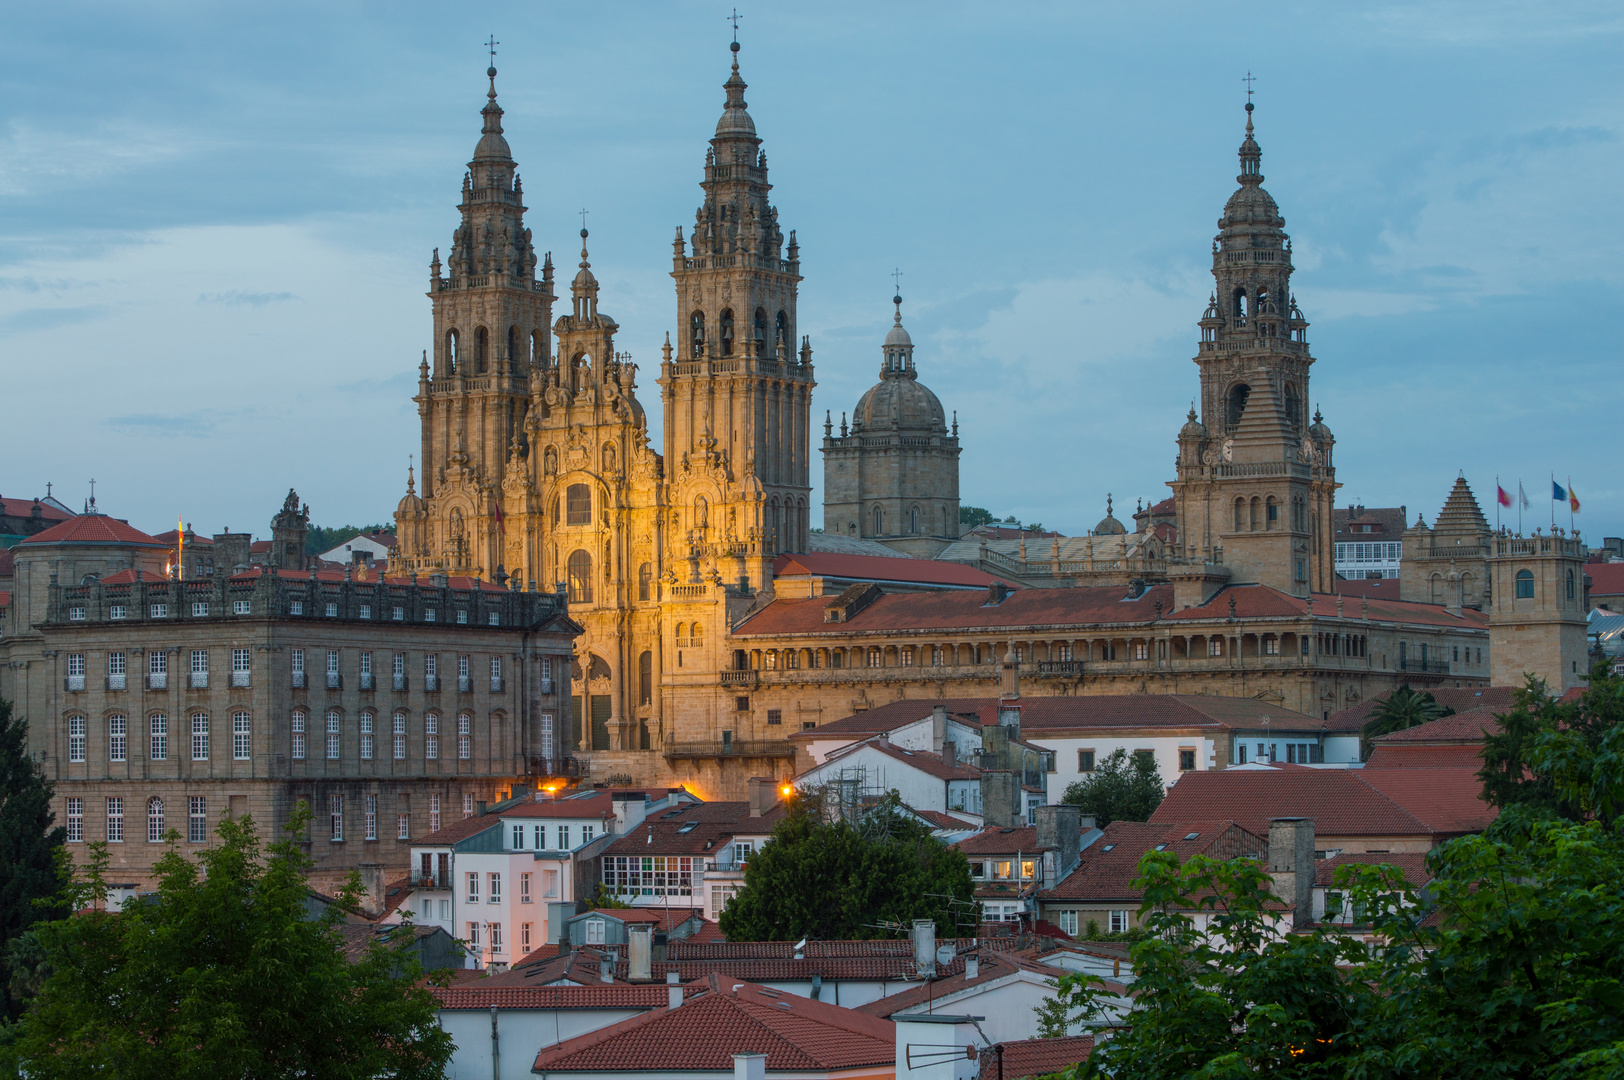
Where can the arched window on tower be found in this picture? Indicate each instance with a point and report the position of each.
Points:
(761, 332)
(913, 520)
(727, 331)
(1571, 586)
(1237, 403)
(879, 522)
(1294, 408)
(580, 577)
(645, 581)
(1271, 514)
(781, 336)
(696, 335)
(1525, 584)
(1240, 307)
(482, 345)
(538, 354)
(645, 678)
(451, 357)
(1256, 513)
(697, 635)
(515, 354)
(1240, 514)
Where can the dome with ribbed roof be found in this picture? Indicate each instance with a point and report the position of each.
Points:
(735, 114)
(1109, 525)
(899, 402)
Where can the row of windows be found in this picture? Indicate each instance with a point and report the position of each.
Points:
(201, 609)
(198, 727)
(1086, 760)
(1118, 920)
(1369, 553)
(1255, 514)
(242, 668)
(538, 837)
(648, 875)
(725, 333)
(197, 819)
(493, 885)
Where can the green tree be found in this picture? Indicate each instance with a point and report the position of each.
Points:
(971, 516)
(1121, 788)
(822, 879)
(1513, 773)
(318, 539)
(1507, 965)
(224, 973)
(30, 867)
(1403, 708)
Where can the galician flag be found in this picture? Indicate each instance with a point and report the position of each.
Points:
(1522, 495)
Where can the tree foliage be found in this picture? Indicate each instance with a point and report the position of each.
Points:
(1404, 708)
(30, 868)
(1563, 783)
(822, 879)
(224, 973)
(1123, 787)
(1509, 964)
(971, 516)
(318, 539)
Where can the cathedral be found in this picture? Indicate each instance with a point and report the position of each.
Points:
(711, 635)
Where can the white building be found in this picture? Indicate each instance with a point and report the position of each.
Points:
(367, 548)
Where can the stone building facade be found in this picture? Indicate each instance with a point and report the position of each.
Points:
(893, 476)
(388, 705)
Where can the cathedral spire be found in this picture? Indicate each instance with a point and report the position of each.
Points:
(1251, 154)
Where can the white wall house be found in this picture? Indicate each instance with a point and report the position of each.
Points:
(923, 780)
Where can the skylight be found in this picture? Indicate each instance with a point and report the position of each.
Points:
(1191, 836)
(688, 827)
(1161, 847)
(1107, 847)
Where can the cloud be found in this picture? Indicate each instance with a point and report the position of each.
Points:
(193, 424)
(29, 319)
(245, 299)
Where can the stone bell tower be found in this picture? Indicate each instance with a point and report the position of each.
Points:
(491, 329)
(1256, 482)
(737, 393)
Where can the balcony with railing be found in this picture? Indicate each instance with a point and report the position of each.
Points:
(240, 678)
(1060, 669)
(335, 681)
(198, 680)
(298, 680)
(496, 684)
(431, 684)
(367, 681)
(75, 683)
(157, 680)
(744, 679)
(117, 682)
(1423, 667)
(432, 881)
(547, 686)
(465, 684)
(728, 748)
(400, 682)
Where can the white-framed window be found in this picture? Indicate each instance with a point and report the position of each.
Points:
(742, 850)
(366, 611)
(587, 833)
(473, 887)
(468, 804)
(428, 614)
(118, 737)
(594, 931)
(332, 668)
(473, 933)
(366, 667)
(464, 677)
(332, 610)
(494, 881)
(200, 609)
(431, 737)
(297, 723)
(465, 736)
(372, 817)
(295, 607)
(524, 937)
(158, 734)
(547, 735)
(493, 619)
(1119, 921)
(1067, 921)
(431, 670)
(76, 819)
(76, 671)
(242, 607)
(241, 743)
(496, 937)
(157, 662)
(118, 611)
(155, 820)
(200, 662)
(403, 826)
(241, 667)
(462, 616)
(434, 813)
(76, 738)
(116, 670)
(115, 819)
(160, 611)
(563, 838)
(524, 891)
(197, 819)
(200, 736)
(333, 721)
(366, 736)
(400, 614)
(496, 673)
(335, 812)
(1271, 645)
(399, 733)
(1215, 646)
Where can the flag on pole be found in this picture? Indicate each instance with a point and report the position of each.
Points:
(1502, 495)
(1573, 500)
(180, 550)
(1557, 493)
(1522, 496)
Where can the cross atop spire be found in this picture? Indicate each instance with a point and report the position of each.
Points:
(1249, 79)
(734, 19)
(896, 277)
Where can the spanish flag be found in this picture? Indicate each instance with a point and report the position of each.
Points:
(1573, 499)
(180, 551)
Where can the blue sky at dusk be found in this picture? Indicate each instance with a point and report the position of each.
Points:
(216, 223)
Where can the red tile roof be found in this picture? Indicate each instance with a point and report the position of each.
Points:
(475, 996)
(667, 918)
(1459, 698)
(93, 529)
(1110, 864)
(926, 762)
(8, 563)
(536, 956)
(797, 1035)
(708, 933)
(1462, 727)
(1606, 579)
(446, 835)
(1411, 756)
(992, 967)
(1413, 864)
(997, 841)
(1260, 601)
(1342, 802)
(878, 568)
(941, 819)
(1035, 1057)
(713, 823)
(1372, 588)
(22, 508)
(591, 806)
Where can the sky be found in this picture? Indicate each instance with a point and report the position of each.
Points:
(216, 223)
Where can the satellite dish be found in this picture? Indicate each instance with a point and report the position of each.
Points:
(945, 955)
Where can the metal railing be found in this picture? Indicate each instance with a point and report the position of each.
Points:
(1425, 667)
(198, 680)
(547, 684)
(496, 684)
(335, 681)
(157, 680)
(240, 678)
(117, 682)
(465, 684)
(400, 682)
(765, 748)
(431, 684)
(1060, 669)
(298, 680)
(367, 681)
(75, 683)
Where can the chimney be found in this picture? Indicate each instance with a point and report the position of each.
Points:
(972, 966)
(1011, 687)
(372, 889)
(631, 807)
(950, 753)
(938, 727)
(1291, 864)
(673, 990)
(479, 808)
(924, 943)
(749, 1067)
(640, 953)
(1058, 830)
(761, 795)
(997, 591)
(999, 797)
(606, 967)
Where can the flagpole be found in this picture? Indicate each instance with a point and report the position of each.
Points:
(1497, 490)
(1553, 504)
(1522, 497)
(1570, 505)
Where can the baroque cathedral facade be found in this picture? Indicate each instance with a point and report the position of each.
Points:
(697, 663)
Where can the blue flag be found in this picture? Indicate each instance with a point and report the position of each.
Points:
(1557, 494)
